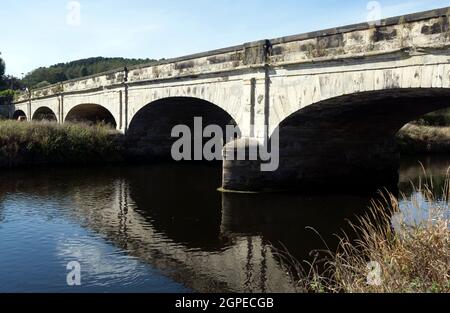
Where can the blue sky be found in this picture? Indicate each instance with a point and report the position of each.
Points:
(37, 33)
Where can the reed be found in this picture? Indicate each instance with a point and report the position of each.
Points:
(393, 252)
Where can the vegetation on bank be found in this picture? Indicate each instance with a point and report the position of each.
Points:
(439, 118)
(6, 97)
(393, 252)
(428, 135)
(413, 139)
(42, 143)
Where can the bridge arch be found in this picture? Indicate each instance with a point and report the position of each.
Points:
(19, 114)
(92, 114)
(323, 85)
(149, 132)
(44, 114)
(350, 138)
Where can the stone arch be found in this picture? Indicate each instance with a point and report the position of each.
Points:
(91, 113)
(322, 85)
(399, 106)
(44, 114)
(149, 132)
(227, 94)
(350, 139)
(19, 114)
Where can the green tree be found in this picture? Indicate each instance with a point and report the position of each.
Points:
(42, 84)
(77, 69)
(84, 71)
(2, 74)
(8, 83)
(2, 67)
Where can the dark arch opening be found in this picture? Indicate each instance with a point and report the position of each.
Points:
(149, 134)
(19, 115)
(44, 114)
(350, 140)
(91, 114)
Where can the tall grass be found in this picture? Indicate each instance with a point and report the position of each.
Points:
(410, 254)
(50, 143)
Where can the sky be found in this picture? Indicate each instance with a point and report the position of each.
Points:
(42, 33)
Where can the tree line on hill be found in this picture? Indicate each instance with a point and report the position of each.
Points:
(44, 76)
(61, 72)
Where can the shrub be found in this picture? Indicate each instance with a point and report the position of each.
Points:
(51, 143)
(6, 96)
(42, 84)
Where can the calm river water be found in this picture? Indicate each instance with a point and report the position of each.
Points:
(163, 228)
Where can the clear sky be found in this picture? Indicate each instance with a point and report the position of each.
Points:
(41, 33)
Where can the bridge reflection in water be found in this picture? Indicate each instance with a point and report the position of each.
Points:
(173, 218)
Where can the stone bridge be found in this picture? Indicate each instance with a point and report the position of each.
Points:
(337, 97)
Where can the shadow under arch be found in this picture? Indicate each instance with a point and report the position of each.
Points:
(344, 140)
(149, 132)
(92, 114)
(19, 114)
(44, 114)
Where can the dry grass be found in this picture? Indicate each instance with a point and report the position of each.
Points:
(413, 255)
(50, 143)
(424, 139)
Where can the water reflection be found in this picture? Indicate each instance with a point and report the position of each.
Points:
(418, 168)
(172, 219)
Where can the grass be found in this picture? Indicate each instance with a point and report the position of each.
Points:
(38, 143)
(411, 255)
(424, 139)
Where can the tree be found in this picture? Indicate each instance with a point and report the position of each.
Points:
(5, 95)
(8, 81)
(2, 67)
(84, 71)
(42, 84)
(3, 84)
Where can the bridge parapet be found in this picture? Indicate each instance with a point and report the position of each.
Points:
(217, 61)
(105, 80)
(422, 30)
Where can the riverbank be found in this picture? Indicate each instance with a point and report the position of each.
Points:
(393, 252)
(45, 143)
(421, 139)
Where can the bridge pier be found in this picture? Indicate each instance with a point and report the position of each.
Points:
(311, 165)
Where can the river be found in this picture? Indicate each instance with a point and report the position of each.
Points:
(165, 228)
